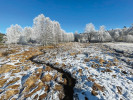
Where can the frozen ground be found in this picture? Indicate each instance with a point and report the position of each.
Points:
(120, 46)
(123, 51)
(98, 70)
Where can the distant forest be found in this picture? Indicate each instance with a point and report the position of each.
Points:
(44, 31)
(115, 35)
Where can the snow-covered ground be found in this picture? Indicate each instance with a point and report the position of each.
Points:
(98, 72)
(125, 47)
(124, 51)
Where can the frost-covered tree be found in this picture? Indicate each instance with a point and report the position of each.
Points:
(56, 29)
(49, 35)
(90, 30)
(100, 33)
(129, 38)
(44, 31)
(27, 34)
(116, 35)
(14, 33)
(39, 28)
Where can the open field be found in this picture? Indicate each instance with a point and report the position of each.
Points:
(79, 71)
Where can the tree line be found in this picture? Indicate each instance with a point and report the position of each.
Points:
(90, 34)
(44, 31)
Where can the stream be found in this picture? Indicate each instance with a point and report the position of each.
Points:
(68, 88)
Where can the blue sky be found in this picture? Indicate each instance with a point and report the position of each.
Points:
(73, 15)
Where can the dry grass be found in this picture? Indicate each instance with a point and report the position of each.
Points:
(2, 82)
(13, 87)
(97, 87)
(108, 70)
(58, 87)
(101, 61)
(47, 78)
(31, 83)
(25, 68)
(72, 54)
(40, 70)
(7, 52)
(119, 89)
(80, 71)
(41, 97)
(2, 77)
(91, 79)
(6, 68)
(40, 86)
(48, 69)
(35, 97)
(56, 63)
(55, 76)
(13, 81)
(1, 90)
(116, 60)
(16, 71)
(87, 60)
(94, 93)
(65, 82)
(10, 93)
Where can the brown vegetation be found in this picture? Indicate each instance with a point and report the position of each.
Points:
(13, 81)
(6, 68)
(119, 89)
(10, 93)
(47, 78)
(2, 82)
(97, 87)
(58, 87)
(87, 60)
(94, 93)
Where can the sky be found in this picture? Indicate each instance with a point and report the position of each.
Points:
(73, 15)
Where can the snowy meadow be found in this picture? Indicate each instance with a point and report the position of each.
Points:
(43, 62)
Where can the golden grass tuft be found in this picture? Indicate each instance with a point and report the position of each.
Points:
(2, 82)
(97, 87)
(56, 63)
(40, 70)
(6, 68)
(55, 76)
(80, 71)
(72, 54)
(41, 97)
(13, 81)
(10, 93)
(65, 82)
(119, 89)
(94, 93)
(13, 86)
(91, 79)
(16, 70)
(108, 70)
(96, 57)
(47, 78)
(48, 68)
(87, 60)
(58, 87)
(2, 77)
(116, 60)
(35, 97)
(101, 61)
(1, 90)
(40, 86)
